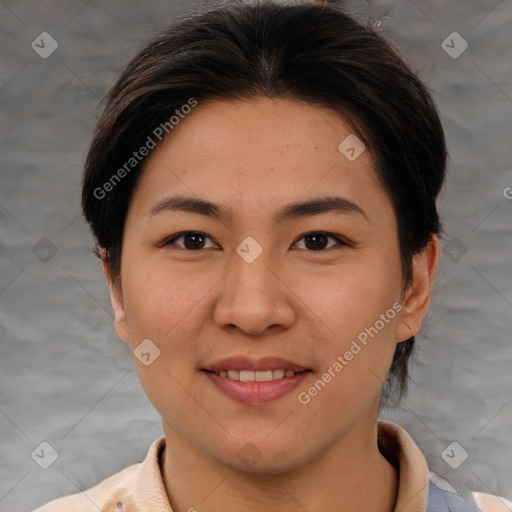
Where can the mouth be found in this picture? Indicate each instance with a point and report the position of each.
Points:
(256, 376)
(255, 382)
(263, 365)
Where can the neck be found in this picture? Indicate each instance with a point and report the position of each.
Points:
(351, 476)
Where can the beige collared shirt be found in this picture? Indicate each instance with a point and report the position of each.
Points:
(140, 487)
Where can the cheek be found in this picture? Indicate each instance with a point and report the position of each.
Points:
(160, 298)
(351, 298)
(356, 314)
(164, 307)
(170, 307)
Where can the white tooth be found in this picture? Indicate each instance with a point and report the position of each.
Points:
(277, 374)
(262, 376)
(258, 376)
(246, 375)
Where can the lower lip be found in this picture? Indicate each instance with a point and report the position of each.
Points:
(256, 393)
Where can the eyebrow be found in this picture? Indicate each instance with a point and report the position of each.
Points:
(311, 207)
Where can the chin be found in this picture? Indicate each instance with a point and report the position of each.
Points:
(261, 457)
(267, 466)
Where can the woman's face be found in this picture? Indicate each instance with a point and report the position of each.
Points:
(262, 279)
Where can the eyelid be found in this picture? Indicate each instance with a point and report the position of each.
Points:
(340, 240)
(168, 241)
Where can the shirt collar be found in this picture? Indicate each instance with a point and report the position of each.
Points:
(397, 446)
(394, 443)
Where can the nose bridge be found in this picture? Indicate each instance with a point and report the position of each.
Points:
(251, 272)
(253, 298)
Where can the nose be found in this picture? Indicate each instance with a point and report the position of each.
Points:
(254, 297)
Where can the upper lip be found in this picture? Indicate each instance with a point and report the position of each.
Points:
(245, 363)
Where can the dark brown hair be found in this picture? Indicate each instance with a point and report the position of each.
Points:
(307, 51)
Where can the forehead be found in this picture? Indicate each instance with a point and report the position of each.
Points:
(257, 127)
(262, 150)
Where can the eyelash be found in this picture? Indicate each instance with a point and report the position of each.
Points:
(172, 239)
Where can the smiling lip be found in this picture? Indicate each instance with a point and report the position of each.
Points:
(244, 363)
(255, 392)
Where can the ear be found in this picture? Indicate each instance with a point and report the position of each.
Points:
(417, 297)
(117, 299)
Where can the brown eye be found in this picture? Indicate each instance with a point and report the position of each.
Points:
(190, 240)
(318, 241)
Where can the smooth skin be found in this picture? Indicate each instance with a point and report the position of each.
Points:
(302, 300)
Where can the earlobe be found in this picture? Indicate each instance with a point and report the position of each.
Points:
(117, 300)
(417, 297)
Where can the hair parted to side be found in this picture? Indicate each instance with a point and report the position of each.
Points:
(306, 51)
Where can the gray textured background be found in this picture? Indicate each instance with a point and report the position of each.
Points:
(66, 379)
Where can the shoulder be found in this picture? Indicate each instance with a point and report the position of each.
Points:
(133, 488)
(443, 498)
(492, 503)
(102, 497)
